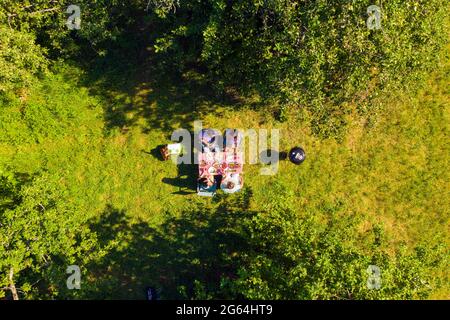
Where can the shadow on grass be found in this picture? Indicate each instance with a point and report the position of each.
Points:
(186, 179)
(148, 91)
(155, 152)
(201, 246)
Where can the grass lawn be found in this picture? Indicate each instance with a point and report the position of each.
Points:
(392, 171)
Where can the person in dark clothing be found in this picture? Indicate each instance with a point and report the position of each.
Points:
(206, 181)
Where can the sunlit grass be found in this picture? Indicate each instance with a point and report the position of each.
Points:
(394, 173)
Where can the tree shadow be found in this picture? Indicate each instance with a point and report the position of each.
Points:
(10, 186)
(186, 179)
(199, 246)
(146, 90)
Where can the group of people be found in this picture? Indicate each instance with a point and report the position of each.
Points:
(221, 162)
(225, 175)
(229, 183)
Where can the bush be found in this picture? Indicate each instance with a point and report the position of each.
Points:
(21, 59)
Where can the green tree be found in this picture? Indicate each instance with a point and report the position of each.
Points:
(102, 22)
(297, 256)
(40, 236)
(313, 53)
(21, 59)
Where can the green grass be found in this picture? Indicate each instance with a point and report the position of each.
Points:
(98, 136)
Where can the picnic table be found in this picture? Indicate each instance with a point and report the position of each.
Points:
(220, 163)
